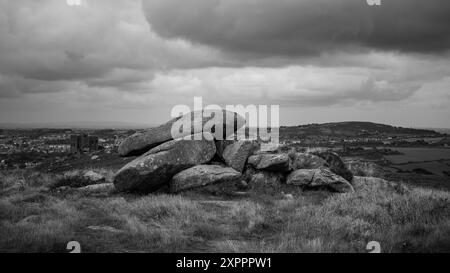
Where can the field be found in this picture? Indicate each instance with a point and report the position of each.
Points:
(403, 219)
(418, 155)
(431, 161)
(434, 167)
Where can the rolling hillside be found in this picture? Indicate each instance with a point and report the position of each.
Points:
(352, 128)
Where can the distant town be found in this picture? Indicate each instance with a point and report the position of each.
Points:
(28, 148)
(22, 148)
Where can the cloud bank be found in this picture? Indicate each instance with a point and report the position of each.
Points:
(292, 27)
(133, 60)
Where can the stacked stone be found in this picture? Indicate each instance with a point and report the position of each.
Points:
(205, 159)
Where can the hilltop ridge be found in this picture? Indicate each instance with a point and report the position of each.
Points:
(354, 128)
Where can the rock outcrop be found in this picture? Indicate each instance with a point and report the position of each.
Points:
(203, 175)
(266, 179)
(307, 161)
(94, 177)
(270, 162)
(140, 143)
(207, 162)
(155, 168)
(236, 154)
(317, 178)
(331, 180)
(302, 177)
(336, 165)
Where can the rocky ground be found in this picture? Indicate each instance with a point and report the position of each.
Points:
(205, 159)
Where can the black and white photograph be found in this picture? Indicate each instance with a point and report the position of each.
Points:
(248, 128)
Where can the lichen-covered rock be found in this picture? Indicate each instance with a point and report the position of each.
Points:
(94, 177)
(265, 179)
(302, 177)
(315, 178)
(307, 161)
(140, 143)
(336, 165)
(270, 162)
(156, 167)
(324, 177)
(236, 154)
(203, 175)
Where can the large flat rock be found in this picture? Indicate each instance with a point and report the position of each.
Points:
(319, 178)
(200, 121)
(307, 161)
(325, 177)
(236, 154)
(270, 162)
(336, 165)
(263, 179)
(203, 175)
(303, 177)
(139, 143)
(155, 168)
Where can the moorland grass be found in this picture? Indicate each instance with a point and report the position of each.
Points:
(402, 219)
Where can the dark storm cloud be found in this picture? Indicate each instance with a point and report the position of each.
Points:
(124, 59)
(13, 86)
(48, 46)
(308, 27)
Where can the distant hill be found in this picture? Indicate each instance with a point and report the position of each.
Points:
(440, 130)
(352, 128)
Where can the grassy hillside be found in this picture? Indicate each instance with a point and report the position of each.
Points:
(402, 219)
(351, 128)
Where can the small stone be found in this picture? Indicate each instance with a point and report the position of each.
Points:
(94, 177)
(288, 196)
(98, 188)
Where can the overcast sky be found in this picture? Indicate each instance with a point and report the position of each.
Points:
(133, 60)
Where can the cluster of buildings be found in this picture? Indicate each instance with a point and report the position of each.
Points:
(49, 144)
(83, 143)
(26, 148)
(42, 144)
(63, 142)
